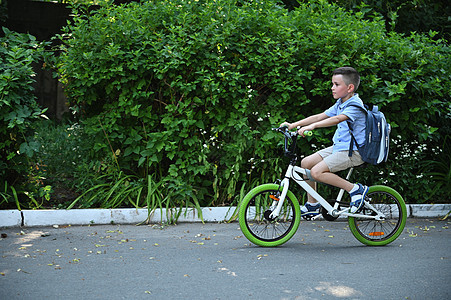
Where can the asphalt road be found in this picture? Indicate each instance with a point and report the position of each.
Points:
(215, 261)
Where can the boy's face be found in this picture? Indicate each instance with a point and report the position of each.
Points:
(340, 89)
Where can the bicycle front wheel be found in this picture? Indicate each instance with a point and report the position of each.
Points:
(255, 218)
(380, 232)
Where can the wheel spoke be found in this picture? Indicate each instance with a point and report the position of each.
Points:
(263, 228)
(380, 232)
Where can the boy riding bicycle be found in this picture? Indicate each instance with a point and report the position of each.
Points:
(324, 163)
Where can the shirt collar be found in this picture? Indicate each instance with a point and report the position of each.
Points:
(352, 99)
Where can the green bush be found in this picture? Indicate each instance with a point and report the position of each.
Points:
(403, 16)
(18, 114)
(186, 92)
(63, 158)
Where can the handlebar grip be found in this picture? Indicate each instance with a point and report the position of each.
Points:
(308, 133)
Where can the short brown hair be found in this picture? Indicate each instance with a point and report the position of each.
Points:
(350, 75)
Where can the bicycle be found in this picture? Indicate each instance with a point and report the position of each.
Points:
(269, 214)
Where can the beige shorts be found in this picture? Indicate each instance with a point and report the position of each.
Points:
(339, 161)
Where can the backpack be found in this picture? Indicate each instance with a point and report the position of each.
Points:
(377, 137)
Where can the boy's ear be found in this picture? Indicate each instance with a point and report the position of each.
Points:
(351, 87)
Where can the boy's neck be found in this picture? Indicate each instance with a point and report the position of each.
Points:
(349, 96)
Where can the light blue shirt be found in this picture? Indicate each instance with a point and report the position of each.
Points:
(357, 118)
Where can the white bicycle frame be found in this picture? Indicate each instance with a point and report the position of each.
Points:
(297, 174)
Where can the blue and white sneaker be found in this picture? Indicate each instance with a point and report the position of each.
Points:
(310, 210)
(357, 198)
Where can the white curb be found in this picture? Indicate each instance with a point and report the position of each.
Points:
(10, 218)
(29, 218)
(429, 211)
(44, 217)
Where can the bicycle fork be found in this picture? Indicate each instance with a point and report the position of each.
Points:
(279, 202)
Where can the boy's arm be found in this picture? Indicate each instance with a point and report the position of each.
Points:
(307, 121)
(329, 121)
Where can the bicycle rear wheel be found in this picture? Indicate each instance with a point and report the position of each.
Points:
(256, 223)
(380, 233)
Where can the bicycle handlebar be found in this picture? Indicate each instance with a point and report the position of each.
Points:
(284, 130)
(290, 150)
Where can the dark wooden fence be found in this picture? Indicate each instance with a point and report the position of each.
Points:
(43, 20)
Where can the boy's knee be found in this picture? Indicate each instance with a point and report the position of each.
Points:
(304, 164)
(307, 163)
(315, 173)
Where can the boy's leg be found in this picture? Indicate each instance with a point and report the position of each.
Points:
(324, 172)
(308, 163)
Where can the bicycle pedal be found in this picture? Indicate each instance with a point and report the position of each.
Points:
(310, 217)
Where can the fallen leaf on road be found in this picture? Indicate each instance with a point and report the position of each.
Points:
(20, 270)
(412, 234)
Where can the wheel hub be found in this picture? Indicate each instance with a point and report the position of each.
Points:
(267, 215)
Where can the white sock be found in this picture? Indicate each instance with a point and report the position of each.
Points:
(355, 188)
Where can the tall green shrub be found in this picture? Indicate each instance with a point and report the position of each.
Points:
(187, 91)
(18, 112)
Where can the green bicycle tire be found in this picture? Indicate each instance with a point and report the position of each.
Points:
(251, 216)
(381, 233)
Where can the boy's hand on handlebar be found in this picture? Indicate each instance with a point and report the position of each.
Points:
(306, 130)
(286, 124)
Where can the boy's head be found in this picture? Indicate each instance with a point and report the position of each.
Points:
(350, 76)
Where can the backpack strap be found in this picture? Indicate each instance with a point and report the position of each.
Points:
(353, 139)
(351, 144)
